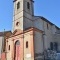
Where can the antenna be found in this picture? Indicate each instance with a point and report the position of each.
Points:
(4, 41)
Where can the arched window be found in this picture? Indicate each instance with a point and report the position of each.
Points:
(28, 5)
(9, 47)
(17, 42)
(26, 44)
(18, 5)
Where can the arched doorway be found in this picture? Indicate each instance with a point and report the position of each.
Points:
(17, 50)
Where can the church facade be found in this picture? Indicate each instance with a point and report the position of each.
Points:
(32, 35)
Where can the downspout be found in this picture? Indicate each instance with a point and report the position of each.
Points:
(43, 41)
(23, 45)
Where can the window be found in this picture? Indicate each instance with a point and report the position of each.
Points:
(17, 42)
(9, 47)
(55, 46)
(17, 24)
(47, 26)
(18, 5)
(27, 44)
(28, 5)
(51, 45)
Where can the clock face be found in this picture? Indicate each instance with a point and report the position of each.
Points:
(17, 23)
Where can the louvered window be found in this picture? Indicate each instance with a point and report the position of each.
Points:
(18, 5)
(28, 5)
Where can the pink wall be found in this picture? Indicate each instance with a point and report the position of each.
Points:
(3, 56)
(0, 56)
(17, 52)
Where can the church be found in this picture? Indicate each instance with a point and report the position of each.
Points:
(33, 37)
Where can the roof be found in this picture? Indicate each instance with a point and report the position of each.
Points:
(43, 18)
(4, 33)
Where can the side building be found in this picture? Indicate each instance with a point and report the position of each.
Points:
(3, 36)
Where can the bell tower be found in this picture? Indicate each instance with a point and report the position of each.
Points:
(23, 14)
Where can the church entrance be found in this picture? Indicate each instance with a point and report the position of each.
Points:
(17, 50)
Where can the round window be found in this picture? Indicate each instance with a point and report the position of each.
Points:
(17, 24)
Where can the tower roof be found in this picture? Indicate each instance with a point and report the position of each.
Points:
(14, 0)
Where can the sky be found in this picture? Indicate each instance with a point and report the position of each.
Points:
(50, 9)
